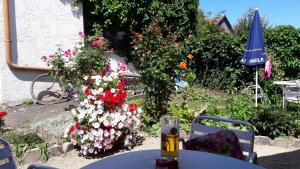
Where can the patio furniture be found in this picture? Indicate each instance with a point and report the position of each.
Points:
(7, 161)
(290, 91)
(246, 138)
(252, 88)
(187, 160)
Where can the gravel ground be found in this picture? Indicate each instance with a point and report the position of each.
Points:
(52, 119)
(270, 157)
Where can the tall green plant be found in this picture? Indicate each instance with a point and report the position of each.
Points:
(160, 59)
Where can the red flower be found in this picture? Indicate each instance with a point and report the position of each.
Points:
(123, 81)
(88, 92)
(120, 87)
(96, 42)
(102, 72)
(132, 107)
(71, 131)
(77, 125)
(3, 113)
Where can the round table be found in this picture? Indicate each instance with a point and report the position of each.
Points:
(187, 160)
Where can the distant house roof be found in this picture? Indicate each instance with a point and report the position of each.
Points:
(223, 23)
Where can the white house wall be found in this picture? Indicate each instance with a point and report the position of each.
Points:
(37, 27)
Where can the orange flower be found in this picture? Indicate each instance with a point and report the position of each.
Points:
(190, 56)
(157, 30)
(139, 37)
(185, 77)
(174, 37)
(182, 65)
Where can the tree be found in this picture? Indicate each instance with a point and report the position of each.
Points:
(244, 22)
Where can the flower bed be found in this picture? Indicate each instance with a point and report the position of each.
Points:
(104, 118)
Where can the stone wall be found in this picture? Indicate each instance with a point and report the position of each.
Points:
(37, 27)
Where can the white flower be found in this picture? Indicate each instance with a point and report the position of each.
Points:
(106, 133)
(114, 65)
(85, 78)
(80, 132)
(73, 111)
(120, 125)
(113, 90)
(91, 138)
(106, 123)
(112, 131)
(101, 119)
(118, 133)
(96, 125)
(125, 107)
(73, 141)
(139, 110)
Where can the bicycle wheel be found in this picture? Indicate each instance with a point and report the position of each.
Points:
(45, 89)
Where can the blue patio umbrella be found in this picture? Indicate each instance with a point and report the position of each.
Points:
(255, 54)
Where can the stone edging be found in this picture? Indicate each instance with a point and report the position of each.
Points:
(34, 155)
(279, 142)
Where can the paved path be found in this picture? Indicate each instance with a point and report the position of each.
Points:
(25, 114)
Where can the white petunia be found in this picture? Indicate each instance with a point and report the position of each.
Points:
(106, 133)
(106, 123)
(120, 125)
(96, 125)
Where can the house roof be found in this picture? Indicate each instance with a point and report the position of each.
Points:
(223, 19)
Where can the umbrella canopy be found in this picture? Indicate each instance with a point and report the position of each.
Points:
(255, 54)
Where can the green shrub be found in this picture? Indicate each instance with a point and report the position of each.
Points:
(22, 142)
(274, 122)
(185, 116)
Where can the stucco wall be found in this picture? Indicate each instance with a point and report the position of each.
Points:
(37, 27)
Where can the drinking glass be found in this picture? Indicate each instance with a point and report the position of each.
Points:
(169, 137)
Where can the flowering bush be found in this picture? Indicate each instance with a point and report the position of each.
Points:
(72, 64)
(2, 114)
(161, 59)
(104, 118)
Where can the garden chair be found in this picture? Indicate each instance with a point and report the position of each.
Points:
(251, 88)
(246, 138)
(7, 161)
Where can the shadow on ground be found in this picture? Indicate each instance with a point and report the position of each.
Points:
(288, 160)
(24, 115)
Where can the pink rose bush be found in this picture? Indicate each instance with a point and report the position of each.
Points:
(104, 118)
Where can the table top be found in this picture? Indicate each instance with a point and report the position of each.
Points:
(187, 160)
(287, 83)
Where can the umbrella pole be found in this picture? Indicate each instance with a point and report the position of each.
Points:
(256, 84)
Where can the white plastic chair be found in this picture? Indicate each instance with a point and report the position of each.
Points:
(7, 161)
(251, 88)
(246, 138)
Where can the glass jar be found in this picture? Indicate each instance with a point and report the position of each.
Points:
(169, 137)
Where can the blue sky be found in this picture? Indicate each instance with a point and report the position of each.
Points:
(278, 12)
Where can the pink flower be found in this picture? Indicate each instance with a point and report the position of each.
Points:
(81, 33)
(44, 58)
(98, 42)
(122, 66)
(74, 52)
(67, 52)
